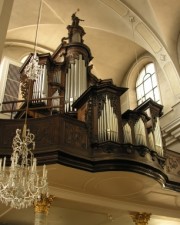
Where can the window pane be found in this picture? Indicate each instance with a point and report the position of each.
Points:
(146, 76)
(147, 85)
(154, 80)
(150, 95)
(140, 92)
(140, 77)
(150, 68)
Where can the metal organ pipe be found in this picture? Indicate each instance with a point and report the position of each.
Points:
(158, 138)
(151, 140)
(107, 123)
(127, 133)
(140, 133)
(40, 85)
(67, 92)
(76, 82)
(84, 77)
(44, 83)
(104, 122)
(72, 86)
(80, 74)
(76, 68)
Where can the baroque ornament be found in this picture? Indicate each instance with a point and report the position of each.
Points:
(140, 218)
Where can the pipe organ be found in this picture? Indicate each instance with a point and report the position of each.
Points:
(67, 86)
(101, 105)
(83, 125)
(153, 111)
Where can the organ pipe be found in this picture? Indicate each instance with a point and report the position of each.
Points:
(107, 123)
(80, 74)
(140, 133)
(127, 134)
(76, 79)
(158, 139)
(151, 140)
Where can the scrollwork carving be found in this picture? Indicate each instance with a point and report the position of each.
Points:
(172, 164)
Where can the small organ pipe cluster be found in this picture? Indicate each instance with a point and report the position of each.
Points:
(76, 82)
(108, 123)
(40, 85)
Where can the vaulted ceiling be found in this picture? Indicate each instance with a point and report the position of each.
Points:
(116, 31)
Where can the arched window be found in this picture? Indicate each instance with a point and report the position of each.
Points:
(146, 85)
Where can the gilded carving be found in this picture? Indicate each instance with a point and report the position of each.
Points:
(24, 86)
(173, 165)
(140, 218)
(43, 204)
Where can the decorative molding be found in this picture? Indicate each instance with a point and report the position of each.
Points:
(171, 132)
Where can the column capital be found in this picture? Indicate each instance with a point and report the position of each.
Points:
(43, 204)
(140, 218)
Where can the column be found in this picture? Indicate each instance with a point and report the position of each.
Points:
(41, 208)
(140, 218)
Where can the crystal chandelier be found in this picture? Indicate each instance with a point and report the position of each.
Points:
(20, 184)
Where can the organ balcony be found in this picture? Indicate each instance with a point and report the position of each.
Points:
(77, 119)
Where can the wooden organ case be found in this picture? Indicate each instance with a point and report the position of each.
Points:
(77, 117)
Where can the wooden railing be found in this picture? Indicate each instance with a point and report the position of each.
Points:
(20, 105)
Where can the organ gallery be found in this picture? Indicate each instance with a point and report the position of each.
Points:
(77, 117)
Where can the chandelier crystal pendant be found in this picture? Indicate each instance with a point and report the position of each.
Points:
(20, 184)
(33, 69)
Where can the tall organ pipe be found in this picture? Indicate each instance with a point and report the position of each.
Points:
(76, 82)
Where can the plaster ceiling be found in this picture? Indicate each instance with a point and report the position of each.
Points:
(101, 198)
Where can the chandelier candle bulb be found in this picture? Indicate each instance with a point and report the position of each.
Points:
(44, 171)
(23, 182)
(12, 165)
(37, 182)
(4, 163)
(0, 164)
(34, 165)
